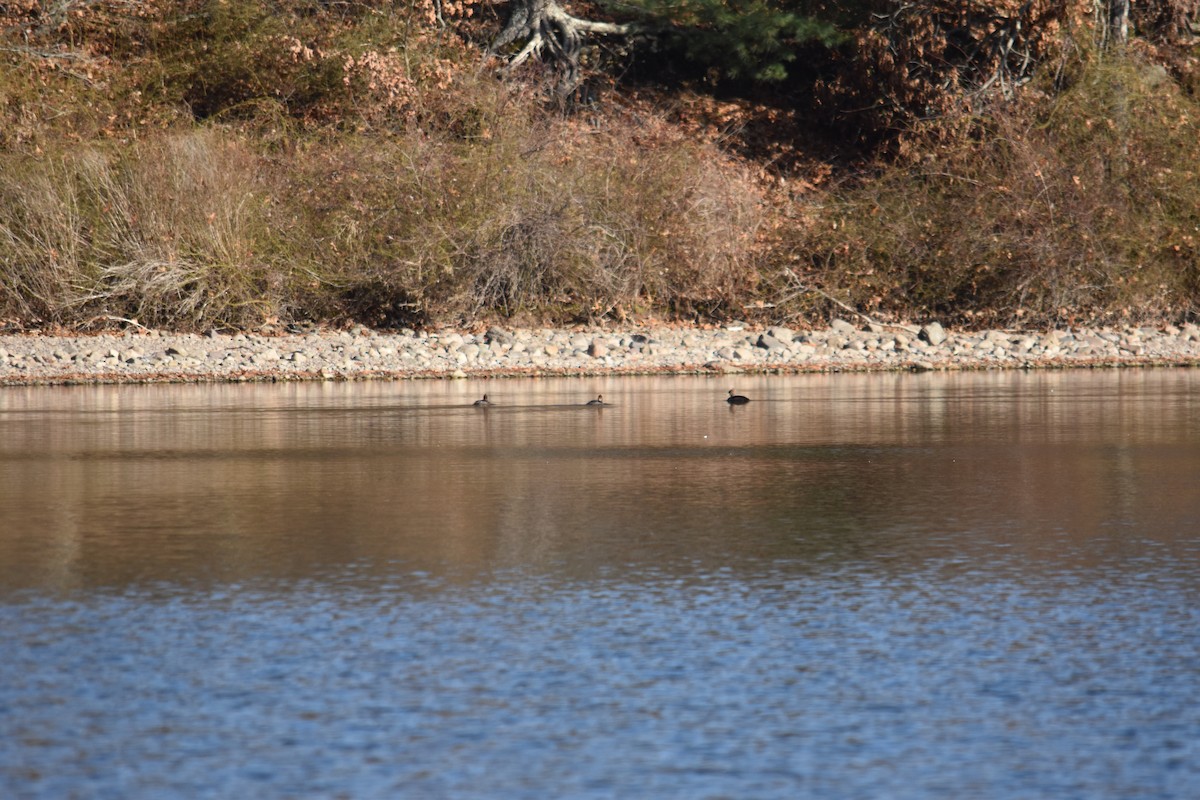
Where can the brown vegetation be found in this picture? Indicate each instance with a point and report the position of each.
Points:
(222, 163)
(1080, 207)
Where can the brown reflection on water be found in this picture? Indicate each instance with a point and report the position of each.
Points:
(113, 486)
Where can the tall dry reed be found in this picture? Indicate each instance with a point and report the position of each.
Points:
(172, 231)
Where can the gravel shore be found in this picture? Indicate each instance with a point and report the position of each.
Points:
(145, 356)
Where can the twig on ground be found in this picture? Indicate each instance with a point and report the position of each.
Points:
(801, 288)
(110, 318)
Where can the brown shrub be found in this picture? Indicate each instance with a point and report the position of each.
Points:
(940, 60)
(533, 216)
(1081, 206)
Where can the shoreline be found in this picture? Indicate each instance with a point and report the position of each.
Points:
(143, 356)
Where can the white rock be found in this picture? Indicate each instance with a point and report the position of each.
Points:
(933, 333)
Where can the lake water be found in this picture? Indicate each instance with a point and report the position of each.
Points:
(981, 585)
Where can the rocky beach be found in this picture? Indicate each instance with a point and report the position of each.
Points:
(138, 355)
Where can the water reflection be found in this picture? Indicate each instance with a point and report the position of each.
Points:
(117, 485)
(902, 586)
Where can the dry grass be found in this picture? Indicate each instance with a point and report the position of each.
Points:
(546, 219)
(168, 232)
(543, 219)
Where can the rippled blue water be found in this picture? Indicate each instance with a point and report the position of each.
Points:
(881, 608)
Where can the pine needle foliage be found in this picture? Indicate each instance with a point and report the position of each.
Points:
(751, 41)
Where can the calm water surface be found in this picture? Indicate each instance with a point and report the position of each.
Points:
(896, 586)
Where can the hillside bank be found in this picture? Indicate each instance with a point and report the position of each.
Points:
(233, 163)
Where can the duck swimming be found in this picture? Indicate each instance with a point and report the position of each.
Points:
(483, 402)
(599, 401)
(737, 399)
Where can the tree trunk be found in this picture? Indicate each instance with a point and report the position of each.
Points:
(553, 35)
(1118, 22)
